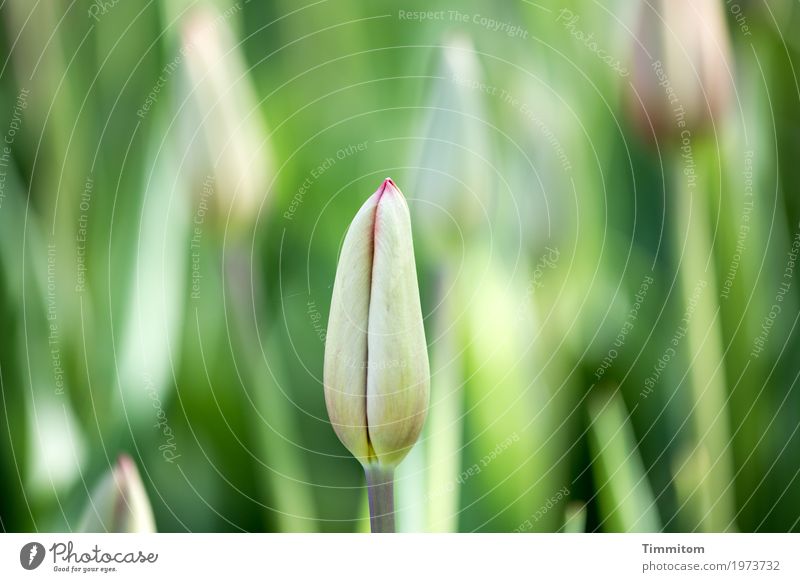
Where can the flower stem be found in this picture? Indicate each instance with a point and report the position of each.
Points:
(380, 490)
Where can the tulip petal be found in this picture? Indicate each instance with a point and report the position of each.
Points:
(398, 382)
(345, 373)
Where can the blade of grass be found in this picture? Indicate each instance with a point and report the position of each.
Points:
(624, 495)
(575, 517)
(703, 331)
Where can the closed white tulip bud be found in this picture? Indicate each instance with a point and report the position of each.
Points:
(377, 379)
(119, 504)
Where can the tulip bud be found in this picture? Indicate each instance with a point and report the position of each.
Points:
(119, 504)
(682, 67)
(456, 143)
(236, 136)
(376, 376)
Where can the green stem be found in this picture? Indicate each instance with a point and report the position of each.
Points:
(704, 338)
(380, 490)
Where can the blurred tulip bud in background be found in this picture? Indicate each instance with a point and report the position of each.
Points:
(229, 117)
(682, 83)
(376, 361)
(455, 194)
(119, 504)
(682, 72)
(226, 145)
(455, 173)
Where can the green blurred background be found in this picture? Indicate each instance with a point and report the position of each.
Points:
(611, 305)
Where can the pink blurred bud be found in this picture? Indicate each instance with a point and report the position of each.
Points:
(681, 67)
(119, 504)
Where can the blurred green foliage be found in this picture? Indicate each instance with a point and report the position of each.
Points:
(169, 236)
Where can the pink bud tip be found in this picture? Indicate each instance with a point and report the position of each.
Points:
(388, 185)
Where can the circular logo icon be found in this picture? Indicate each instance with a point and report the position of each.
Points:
(31, 555)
